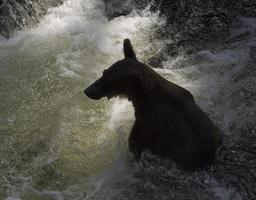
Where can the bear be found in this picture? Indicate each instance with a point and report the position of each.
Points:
(168, 122)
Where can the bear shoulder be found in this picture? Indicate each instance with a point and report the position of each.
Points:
(161, 120)
(178, 93)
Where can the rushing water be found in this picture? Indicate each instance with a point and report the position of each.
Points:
(52, 136)
(56, 144)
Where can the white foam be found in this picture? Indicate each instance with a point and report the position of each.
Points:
(121, 114)
(71, 45)
(84, 20)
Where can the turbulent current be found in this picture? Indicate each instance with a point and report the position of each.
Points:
(56, 144)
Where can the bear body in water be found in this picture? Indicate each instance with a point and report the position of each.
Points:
(168, 122)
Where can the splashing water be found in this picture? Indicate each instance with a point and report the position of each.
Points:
(56, 144)
(52, 136)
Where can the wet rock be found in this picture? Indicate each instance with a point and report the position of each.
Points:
(193, 25)
(115, 8)
(15, 14)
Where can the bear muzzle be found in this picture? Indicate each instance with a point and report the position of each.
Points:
(95, 91)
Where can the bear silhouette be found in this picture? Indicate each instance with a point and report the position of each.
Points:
(168, 122)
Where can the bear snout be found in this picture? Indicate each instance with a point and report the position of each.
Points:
(89, 92)
(95, 91)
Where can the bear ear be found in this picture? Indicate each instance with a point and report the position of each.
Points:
(128, 50)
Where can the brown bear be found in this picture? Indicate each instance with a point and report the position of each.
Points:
(168, 122)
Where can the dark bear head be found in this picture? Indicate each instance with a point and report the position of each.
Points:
(121, 79)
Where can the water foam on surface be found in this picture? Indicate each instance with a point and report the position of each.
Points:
(53, 134)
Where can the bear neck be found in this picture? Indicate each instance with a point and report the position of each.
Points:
(150, 93)
(147, 99)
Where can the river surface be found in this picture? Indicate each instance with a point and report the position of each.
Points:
(56, 144)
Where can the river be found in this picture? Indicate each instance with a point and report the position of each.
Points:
(56, 144)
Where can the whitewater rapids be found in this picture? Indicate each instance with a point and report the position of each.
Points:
(56, 144)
